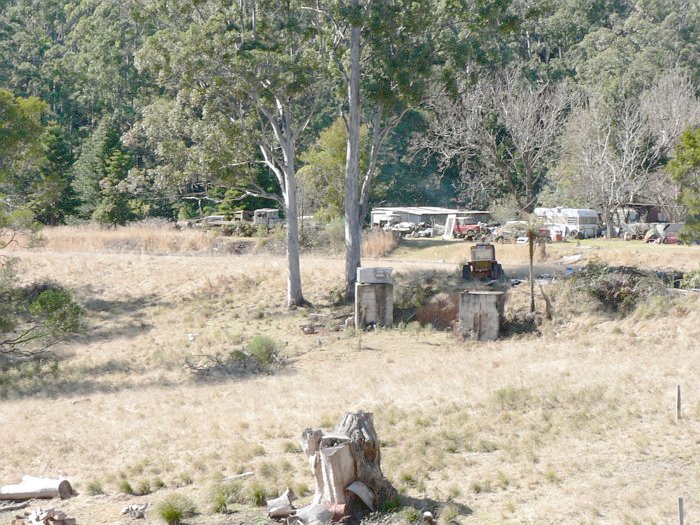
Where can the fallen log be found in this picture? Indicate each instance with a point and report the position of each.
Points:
(37, 488)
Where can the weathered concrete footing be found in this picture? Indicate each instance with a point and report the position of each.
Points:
(481, 313)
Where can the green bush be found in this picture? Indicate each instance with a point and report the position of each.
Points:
(691, 280)
(175, 508)
(335, 231)
(240, 229)
(258, 356)
(263, 349)
(618, 288)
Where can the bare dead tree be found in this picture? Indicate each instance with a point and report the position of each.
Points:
(501, 132)
(609, 156)
(670, 108)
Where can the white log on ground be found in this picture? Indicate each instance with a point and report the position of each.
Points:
(37, 488)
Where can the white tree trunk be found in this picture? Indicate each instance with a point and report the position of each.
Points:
(294, 294)
(352, 166)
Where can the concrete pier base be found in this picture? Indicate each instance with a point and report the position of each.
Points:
(480, 314)
(374, 304)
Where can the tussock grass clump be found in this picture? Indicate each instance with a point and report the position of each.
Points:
(175, 508)
(223, 494)
(125, 487)
(94, 487)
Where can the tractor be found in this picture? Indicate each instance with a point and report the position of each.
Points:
(483, 264)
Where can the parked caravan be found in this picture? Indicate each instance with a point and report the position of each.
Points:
(572, 222)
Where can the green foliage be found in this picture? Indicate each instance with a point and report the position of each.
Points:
(20, 145)
(684, 169)
(94, 488)
(124, 487)
(52, 197)
(225, 493)
(322, 178)
(176, 508)
(263, 349)
(691, 280)
(241, 229)
(617, 288)
(260, 355)
(100, 172)
(33, 317)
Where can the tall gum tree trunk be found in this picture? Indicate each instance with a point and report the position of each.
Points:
(352, 166)
(294, 294)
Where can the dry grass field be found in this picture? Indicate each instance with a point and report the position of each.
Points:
(572, 422)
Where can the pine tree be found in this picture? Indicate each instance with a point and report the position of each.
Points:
(52, 198)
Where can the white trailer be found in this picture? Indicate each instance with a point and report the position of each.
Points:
(571, 222)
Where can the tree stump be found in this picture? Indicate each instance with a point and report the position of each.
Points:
(346, 466)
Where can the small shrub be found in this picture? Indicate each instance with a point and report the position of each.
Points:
(411, 515)
(125, 487)
(239, 229)
(513, 398)
(158, 484)
(691, 280)
(175, 508)
(378, 243)
(618, 288)
(335, 232)
(259, 356)
(263, 349)
(551, 476)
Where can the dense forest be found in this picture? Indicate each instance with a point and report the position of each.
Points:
(117, 110)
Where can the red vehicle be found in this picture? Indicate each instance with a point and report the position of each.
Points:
(469, 225)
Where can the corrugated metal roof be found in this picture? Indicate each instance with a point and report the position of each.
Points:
(418, 210)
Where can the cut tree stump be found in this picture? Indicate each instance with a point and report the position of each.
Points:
(346, 466)
(37, 488)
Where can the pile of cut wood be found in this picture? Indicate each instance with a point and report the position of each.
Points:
(44, 517)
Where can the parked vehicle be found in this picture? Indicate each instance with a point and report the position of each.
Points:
(574, 223)
(269, 217)
(664, 233)
(467, 225)
(483, 264)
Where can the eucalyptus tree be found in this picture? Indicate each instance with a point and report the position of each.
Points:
(383, 56)
(241, 83)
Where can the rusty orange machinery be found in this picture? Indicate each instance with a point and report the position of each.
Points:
(483, 264)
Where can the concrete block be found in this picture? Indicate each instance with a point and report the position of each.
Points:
(373, 275)
(481, 313)
(374, 304)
